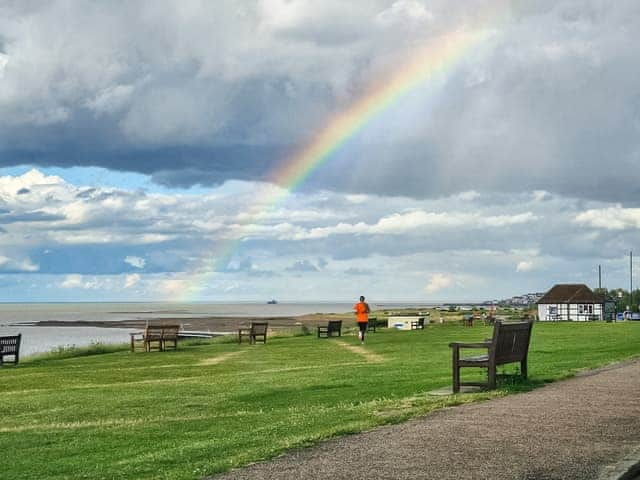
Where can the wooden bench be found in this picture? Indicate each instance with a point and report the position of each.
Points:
(373, 323)
(158, 337)
(328, 330)
(510, 343)
(10, 346)
(417, 324)
(257, 329)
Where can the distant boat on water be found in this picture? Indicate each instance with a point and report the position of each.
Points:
(272, 302)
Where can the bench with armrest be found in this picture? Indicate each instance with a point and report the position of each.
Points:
(10, 347)
(331, 328)
(417, 324)
(509, 344)
(256, 332)
(158, 337)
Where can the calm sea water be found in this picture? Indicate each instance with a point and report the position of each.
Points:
(43, 339)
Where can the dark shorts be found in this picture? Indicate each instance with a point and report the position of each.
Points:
(362, 326)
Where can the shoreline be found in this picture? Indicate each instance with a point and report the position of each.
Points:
(213, 323)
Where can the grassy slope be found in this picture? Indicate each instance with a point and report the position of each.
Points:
(168, 415)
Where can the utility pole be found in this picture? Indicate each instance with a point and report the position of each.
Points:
(599, 277)
(631, 280)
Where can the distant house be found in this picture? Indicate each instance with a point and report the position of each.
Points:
(575, 302)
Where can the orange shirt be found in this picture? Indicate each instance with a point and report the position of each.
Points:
(362, 312)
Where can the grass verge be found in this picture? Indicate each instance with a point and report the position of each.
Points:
(216, 405)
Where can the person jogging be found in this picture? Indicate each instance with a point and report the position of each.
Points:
(362, 310)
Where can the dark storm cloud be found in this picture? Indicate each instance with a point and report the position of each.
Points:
(198, 94)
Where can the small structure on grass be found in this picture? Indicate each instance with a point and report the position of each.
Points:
(574, 302)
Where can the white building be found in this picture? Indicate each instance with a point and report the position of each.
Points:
(575, 302)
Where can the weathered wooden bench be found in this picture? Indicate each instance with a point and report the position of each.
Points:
(10, 346)
(509, 344)
(257, 329)
(331, 328)
(158, 337)
(417, 324)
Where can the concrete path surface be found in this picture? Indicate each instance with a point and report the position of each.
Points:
(587, 427)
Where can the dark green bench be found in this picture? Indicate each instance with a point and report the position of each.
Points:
(330, 329)
(10, 347)
(374, 323)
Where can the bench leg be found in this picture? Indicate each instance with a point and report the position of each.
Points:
(523, 368)
(456, 370)
(492, 376)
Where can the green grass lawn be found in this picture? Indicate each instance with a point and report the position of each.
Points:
(207, 408)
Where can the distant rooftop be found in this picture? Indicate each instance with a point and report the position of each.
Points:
(571, 293)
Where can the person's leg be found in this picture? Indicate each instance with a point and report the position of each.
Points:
(363, 329)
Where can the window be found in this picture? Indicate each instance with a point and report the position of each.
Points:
(585, 308)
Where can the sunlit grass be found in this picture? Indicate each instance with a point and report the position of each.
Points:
(214, 405)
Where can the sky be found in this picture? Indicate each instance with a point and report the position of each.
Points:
(143, 145)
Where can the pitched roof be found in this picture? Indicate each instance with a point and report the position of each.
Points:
(570, 293)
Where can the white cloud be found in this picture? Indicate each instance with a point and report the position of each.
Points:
(17, 265)
(524, 266)
(438, 282)
(78, 281)
(404, 10)
(402, 223)
(85, 240)
(131, 280)
(137, 262)
(611, 218)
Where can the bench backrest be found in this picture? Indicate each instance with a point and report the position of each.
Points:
(511, 341)
(152, 331)
(10, 345)
(259, 328)
(334, 325)
(170, 331)
(164, 331)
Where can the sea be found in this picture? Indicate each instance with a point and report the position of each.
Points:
(19, 318)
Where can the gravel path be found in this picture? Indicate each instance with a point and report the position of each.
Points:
(574, 429)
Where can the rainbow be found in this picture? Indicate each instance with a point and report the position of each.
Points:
(433, 60)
